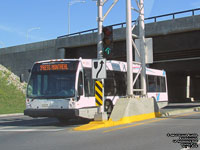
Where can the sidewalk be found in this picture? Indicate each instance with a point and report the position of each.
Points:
(11, 115)
(178, 108)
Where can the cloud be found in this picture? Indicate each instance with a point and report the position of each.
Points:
(4, 28)
(195, 4)
(20, 33)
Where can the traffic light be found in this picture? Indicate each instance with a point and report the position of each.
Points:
(107, 41)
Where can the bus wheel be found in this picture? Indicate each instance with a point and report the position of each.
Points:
(108, 107)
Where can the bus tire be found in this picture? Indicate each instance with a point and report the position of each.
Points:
(108, 107)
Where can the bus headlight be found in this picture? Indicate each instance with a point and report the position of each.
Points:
(72, 103)
(28, 104)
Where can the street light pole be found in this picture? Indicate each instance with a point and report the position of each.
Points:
(29, 30)
(69, 4)
(69, 17)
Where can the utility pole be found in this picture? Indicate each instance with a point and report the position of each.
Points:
(142, 46)
(129, 53)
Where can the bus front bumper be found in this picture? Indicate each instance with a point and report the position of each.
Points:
(57, 113)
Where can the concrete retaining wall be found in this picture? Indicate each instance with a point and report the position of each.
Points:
(21, 58)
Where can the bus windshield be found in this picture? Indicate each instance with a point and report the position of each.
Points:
(51, 85)
(47, 82)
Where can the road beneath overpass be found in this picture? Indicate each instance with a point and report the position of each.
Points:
(24, 133)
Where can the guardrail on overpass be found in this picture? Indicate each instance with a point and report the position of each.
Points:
(185, 13)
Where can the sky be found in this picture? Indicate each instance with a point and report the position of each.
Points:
(28, 21)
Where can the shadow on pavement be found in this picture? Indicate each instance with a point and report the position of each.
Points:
(34, 122)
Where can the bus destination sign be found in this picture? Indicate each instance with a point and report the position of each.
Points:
(53, 67)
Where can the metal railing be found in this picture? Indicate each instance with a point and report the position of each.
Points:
(123, 24)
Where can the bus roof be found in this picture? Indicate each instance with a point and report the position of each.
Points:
(110, 65)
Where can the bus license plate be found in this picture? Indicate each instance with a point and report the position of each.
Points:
(45, 105)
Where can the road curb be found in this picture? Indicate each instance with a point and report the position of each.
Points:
(167, 113)
(105, 124)
(11, 115)
(93, 125)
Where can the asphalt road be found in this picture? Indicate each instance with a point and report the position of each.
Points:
(24, 133)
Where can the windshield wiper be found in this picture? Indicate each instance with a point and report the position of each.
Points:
(50, 97)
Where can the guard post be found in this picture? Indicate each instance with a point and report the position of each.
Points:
(99, 93)
(99, 74)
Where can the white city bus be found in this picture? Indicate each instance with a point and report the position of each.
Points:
(64, 88)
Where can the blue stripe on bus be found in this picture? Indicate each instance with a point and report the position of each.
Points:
(158, 97)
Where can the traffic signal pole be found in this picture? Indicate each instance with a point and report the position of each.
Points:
(129, 53)
(100, 29)
(100, 44)
(128, 42)
(100, 20)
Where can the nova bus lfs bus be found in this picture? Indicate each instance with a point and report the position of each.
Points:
(64, 88)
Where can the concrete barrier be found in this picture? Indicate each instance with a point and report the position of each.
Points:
(131, 107)
(126, 110)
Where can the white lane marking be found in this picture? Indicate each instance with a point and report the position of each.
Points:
(7, 127)
(12, 115)
(190, 148)
(31, 130)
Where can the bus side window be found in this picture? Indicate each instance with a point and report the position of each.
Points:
(163, 84)
(110, 84)
(80, 84)
(151, 83)
(120, 79)
(88, 82)
(158, 86)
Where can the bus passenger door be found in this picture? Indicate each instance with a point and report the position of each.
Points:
(82, 100)
(80, 86)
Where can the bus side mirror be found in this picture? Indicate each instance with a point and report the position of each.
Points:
(77, 96)
(21, 77)
(29, 70)
(80, 90)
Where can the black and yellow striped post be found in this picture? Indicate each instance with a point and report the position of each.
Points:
(99, 93)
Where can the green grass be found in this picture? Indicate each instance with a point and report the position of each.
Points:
(12, 100)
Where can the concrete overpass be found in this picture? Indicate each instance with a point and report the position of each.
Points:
(176, 42)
